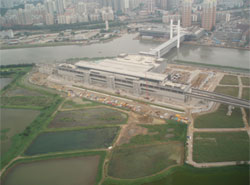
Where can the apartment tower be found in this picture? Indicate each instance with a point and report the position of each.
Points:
(186, 13)
(209, 14)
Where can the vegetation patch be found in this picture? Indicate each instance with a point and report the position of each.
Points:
(19, 91)
(220, 119)
(231, 91)
(229, 80)
(221, 146)
(186, 174)
(245, 81)
(69, 104)
(72, 140)
(247, 115)
(135, 162)
(88, 117)
(25, 101)
(171, 131)
(246, 93)
(14, 122)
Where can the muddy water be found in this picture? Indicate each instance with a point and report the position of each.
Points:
(66, 171)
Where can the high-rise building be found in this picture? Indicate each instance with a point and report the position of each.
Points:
(60, 6)
(151, 6)
(186, 13)
(209, 14)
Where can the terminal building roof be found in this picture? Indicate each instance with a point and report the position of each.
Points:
(132, 65)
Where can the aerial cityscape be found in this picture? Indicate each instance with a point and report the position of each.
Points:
(125, 92)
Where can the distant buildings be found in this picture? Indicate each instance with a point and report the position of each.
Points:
(186, 13)
(209, 14)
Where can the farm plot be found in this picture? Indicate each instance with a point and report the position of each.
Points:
(70, 104)
(229, 80)
(14, 122)
(231, 91)
(88, 117)
(141, 161)
(19, 91)
(246, 93)
(72, 140)
(245, 81)
(26, 101)
(220, 119)
(223, 146)
(63, 171)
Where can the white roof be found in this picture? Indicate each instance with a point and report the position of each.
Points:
(125, 66)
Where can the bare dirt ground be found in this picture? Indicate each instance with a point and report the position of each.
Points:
(133, 128)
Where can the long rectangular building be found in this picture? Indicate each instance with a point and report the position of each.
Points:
(132, 74)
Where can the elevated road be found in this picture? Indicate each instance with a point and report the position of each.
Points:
(220, 98)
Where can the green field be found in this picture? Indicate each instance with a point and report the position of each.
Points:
(187, 175)
(231, 91)
(69, 104)
(172, 131)
(248, 115)
(14, 122)
(88, 117)
(223, 146)
(140, 161)
(245, 81)
(72, 140)
(219, 119)
(229, 80)
(19, 91)
(26, 101)
(246, 93)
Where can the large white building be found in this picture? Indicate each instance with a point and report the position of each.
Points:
(132, 74)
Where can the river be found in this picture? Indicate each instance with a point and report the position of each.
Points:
(126, 44)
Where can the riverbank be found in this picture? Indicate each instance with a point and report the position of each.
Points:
(218, 46)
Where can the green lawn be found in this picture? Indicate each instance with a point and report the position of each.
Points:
(231, 91)
(141, 161)
(246, 93)
(172, 131)
(245, 81)
(220, 146)
(229, 80)
(187, 175)
(219, 119)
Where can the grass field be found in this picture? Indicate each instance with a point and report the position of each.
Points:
(14, 122)
(223, 146)
(19, 91)
(72, 140)
(140, 161)
(187, 175)
(248, 115)
(219, 119)
(69, 104)
(172, 131)
(88, 117)
(231, 91)
(245, 81)
(229, 80)
(246, 93)
(26, 101)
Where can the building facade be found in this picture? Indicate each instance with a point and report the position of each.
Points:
(209, 14)
(186, 13)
